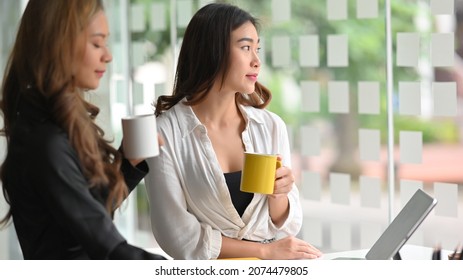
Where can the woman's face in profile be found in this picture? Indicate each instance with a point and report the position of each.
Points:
(97, 54)
(244, 59)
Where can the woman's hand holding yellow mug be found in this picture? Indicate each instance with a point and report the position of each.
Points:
(259, 173)
(284, 181)
(264, 173)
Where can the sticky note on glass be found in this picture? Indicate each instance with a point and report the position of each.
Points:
(338, 95)
(369, 144)
(262, 50)
(309, 51)
(137, 16)
(370, 192)
(340, 188)
(310, 136)
(447, 197)
(442, 50)
(410, 98)
(281, 54)
(117, 64)
(369, 233)
(408, 48)
(367, 9)
(336, 9)
(184, 12)
(138, 53)
(290, 130)
(411, 147)
(442, 7)
(368, 101)
(338, 51)
(203, 3)
(408, 189)
(310, 96)
(311, 185)
(444, 95)
(341, 236)
(281, 11)
(312, 229)
(158, 17)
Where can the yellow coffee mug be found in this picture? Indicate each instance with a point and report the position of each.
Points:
(258, 174)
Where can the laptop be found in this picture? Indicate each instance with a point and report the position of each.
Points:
(401, 228)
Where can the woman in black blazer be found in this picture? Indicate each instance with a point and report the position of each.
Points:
(61, 177)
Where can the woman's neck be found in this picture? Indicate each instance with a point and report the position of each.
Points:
(217, 110)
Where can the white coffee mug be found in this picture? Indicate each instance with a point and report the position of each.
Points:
(140, 138)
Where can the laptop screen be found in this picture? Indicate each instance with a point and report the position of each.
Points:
(402, 227)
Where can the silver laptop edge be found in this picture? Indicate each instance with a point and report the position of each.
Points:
(402, 227)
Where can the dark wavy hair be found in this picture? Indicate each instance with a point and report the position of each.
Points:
(205, 54)
(51, 42)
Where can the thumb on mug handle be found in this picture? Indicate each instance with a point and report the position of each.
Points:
(279, 164)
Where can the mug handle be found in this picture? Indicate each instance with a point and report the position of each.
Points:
(279, 164)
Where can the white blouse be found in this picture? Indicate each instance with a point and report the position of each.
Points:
(190, 204)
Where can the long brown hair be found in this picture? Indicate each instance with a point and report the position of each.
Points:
(50, 43)
(205, 54)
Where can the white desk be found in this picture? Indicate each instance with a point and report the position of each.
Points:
(408, 252)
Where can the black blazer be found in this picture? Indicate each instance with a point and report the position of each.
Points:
(55, 213)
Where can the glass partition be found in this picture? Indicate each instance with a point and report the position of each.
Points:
(326, 63)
